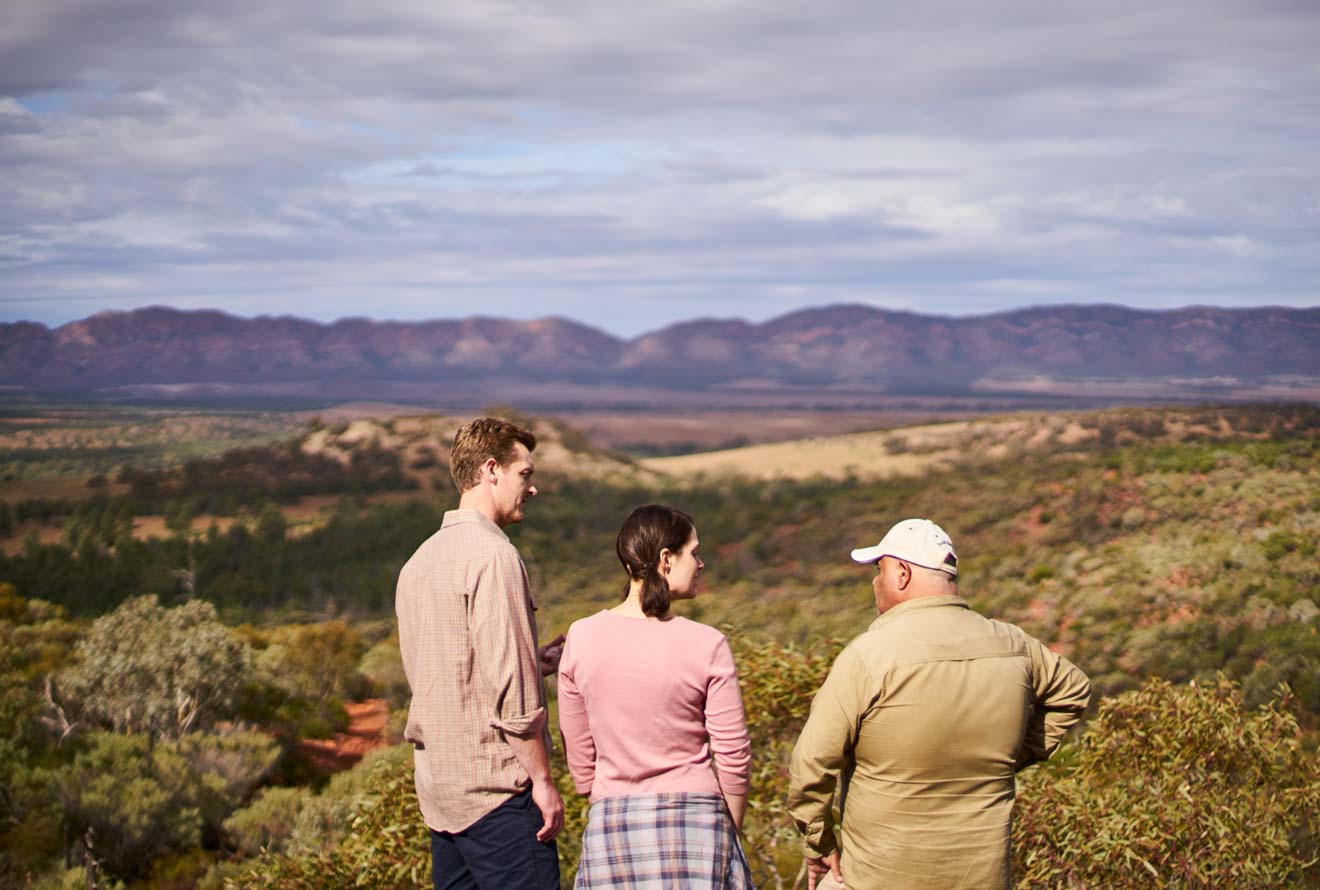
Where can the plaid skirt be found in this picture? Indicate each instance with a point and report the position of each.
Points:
(679, 841)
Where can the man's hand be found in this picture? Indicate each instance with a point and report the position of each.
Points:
(817, 868)
(546, 797)
(548, 655)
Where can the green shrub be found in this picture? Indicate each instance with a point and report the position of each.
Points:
(1040, 572)
(129, 803)
(386, 845)
(1279, 544)
(149, 669)
(1174, 786)
(778, 683)
(382, 665)
(178, 871)
(34, 640)
(311, 660)
(226, 767)
(268, 822)
(72, 879)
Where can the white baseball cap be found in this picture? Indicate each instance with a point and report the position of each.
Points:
(918, 541)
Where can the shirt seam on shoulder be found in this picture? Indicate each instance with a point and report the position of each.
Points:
(915, 661)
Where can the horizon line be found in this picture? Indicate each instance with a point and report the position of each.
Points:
(677, 323)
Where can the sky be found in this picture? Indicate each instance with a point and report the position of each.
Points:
(634, 164)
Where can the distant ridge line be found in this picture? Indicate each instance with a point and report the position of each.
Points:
(841, 345)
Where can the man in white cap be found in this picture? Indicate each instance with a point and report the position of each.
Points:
(920, 728)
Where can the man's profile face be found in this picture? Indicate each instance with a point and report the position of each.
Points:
(513, 486)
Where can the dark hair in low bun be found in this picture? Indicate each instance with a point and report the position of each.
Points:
(647, 531)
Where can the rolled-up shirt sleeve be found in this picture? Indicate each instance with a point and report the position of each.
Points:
(726, 723)
(501, 629)
(823, 748)
(579, 745)
(1062, 693)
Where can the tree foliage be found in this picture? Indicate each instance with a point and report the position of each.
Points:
(282, 472)
(382, 665)
(1175, 786)
(35, 639)
(1170, 559)
(161, 671)
(778, 683)
(268, 822)
(129, 803)
(386, 844)
(312, 659)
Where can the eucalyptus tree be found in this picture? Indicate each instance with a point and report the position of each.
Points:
(145, 668)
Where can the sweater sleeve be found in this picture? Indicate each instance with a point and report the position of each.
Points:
(579, 746)
(726, 724)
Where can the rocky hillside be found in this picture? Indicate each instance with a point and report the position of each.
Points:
(422, 443)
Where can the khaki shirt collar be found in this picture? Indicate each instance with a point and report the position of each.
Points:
(921, 602)
(460, 517)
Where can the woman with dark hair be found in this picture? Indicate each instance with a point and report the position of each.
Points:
(647, 701)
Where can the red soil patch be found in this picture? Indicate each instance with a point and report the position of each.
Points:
(1031, 524)
(366, 730)
(1179, 579)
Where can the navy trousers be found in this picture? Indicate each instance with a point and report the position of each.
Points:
(497, 852)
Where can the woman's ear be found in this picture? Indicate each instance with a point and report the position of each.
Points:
(665, 562)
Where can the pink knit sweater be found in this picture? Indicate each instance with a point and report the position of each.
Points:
(643, 705)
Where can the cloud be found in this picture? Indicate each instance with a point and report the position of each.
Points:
(630, 165)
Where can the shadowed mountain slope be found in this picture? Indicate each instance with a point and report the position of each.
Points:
(839, 345)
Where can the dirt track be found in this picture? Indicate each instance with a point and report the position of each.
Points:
(366, 730)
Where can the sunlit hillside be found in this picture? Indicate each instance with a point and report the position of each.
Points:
(156, 469)
(915, 450)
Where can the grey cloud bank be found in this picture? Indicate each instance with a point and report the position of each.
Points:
(630, 167)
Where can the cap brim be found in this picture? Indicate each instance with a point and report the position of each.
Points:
(867, 554)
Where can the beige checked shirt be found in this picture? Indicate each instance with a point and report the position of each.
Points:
(925, 718)
(468, 639)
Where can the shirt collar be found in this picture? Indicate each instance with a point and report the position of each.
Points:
(924, 602)
(461, 517)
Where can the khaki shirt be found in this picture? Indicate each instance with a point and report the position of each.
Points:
(468, 639)
(926, 717)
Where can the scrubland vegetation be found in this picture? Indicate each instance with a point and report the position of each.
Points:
(87, 440)
(154, 692)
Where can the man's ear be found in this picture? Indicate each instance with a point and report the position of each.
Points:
(904, 575)
(488, 467)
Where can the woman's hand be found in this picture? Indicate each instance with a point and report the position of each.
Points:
(737, 804)
(549, 654)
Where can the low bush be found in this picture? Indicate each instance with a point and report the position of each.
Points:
(1175, 786)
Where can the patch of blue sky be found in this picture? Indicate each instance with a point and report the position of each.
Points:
(501, 165)
(591, 160)
(444, 174)
(384, 134)
(46, 103)
(537, 114)
(322, 125)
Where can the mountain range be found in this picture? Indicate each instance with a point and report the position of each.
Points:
(836, 346)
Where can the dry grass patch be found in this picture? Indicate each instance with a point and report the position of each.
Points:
(914, 450)
(907, 451)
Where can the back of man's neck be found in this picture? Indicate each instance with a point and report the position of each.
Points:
(478, 499)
